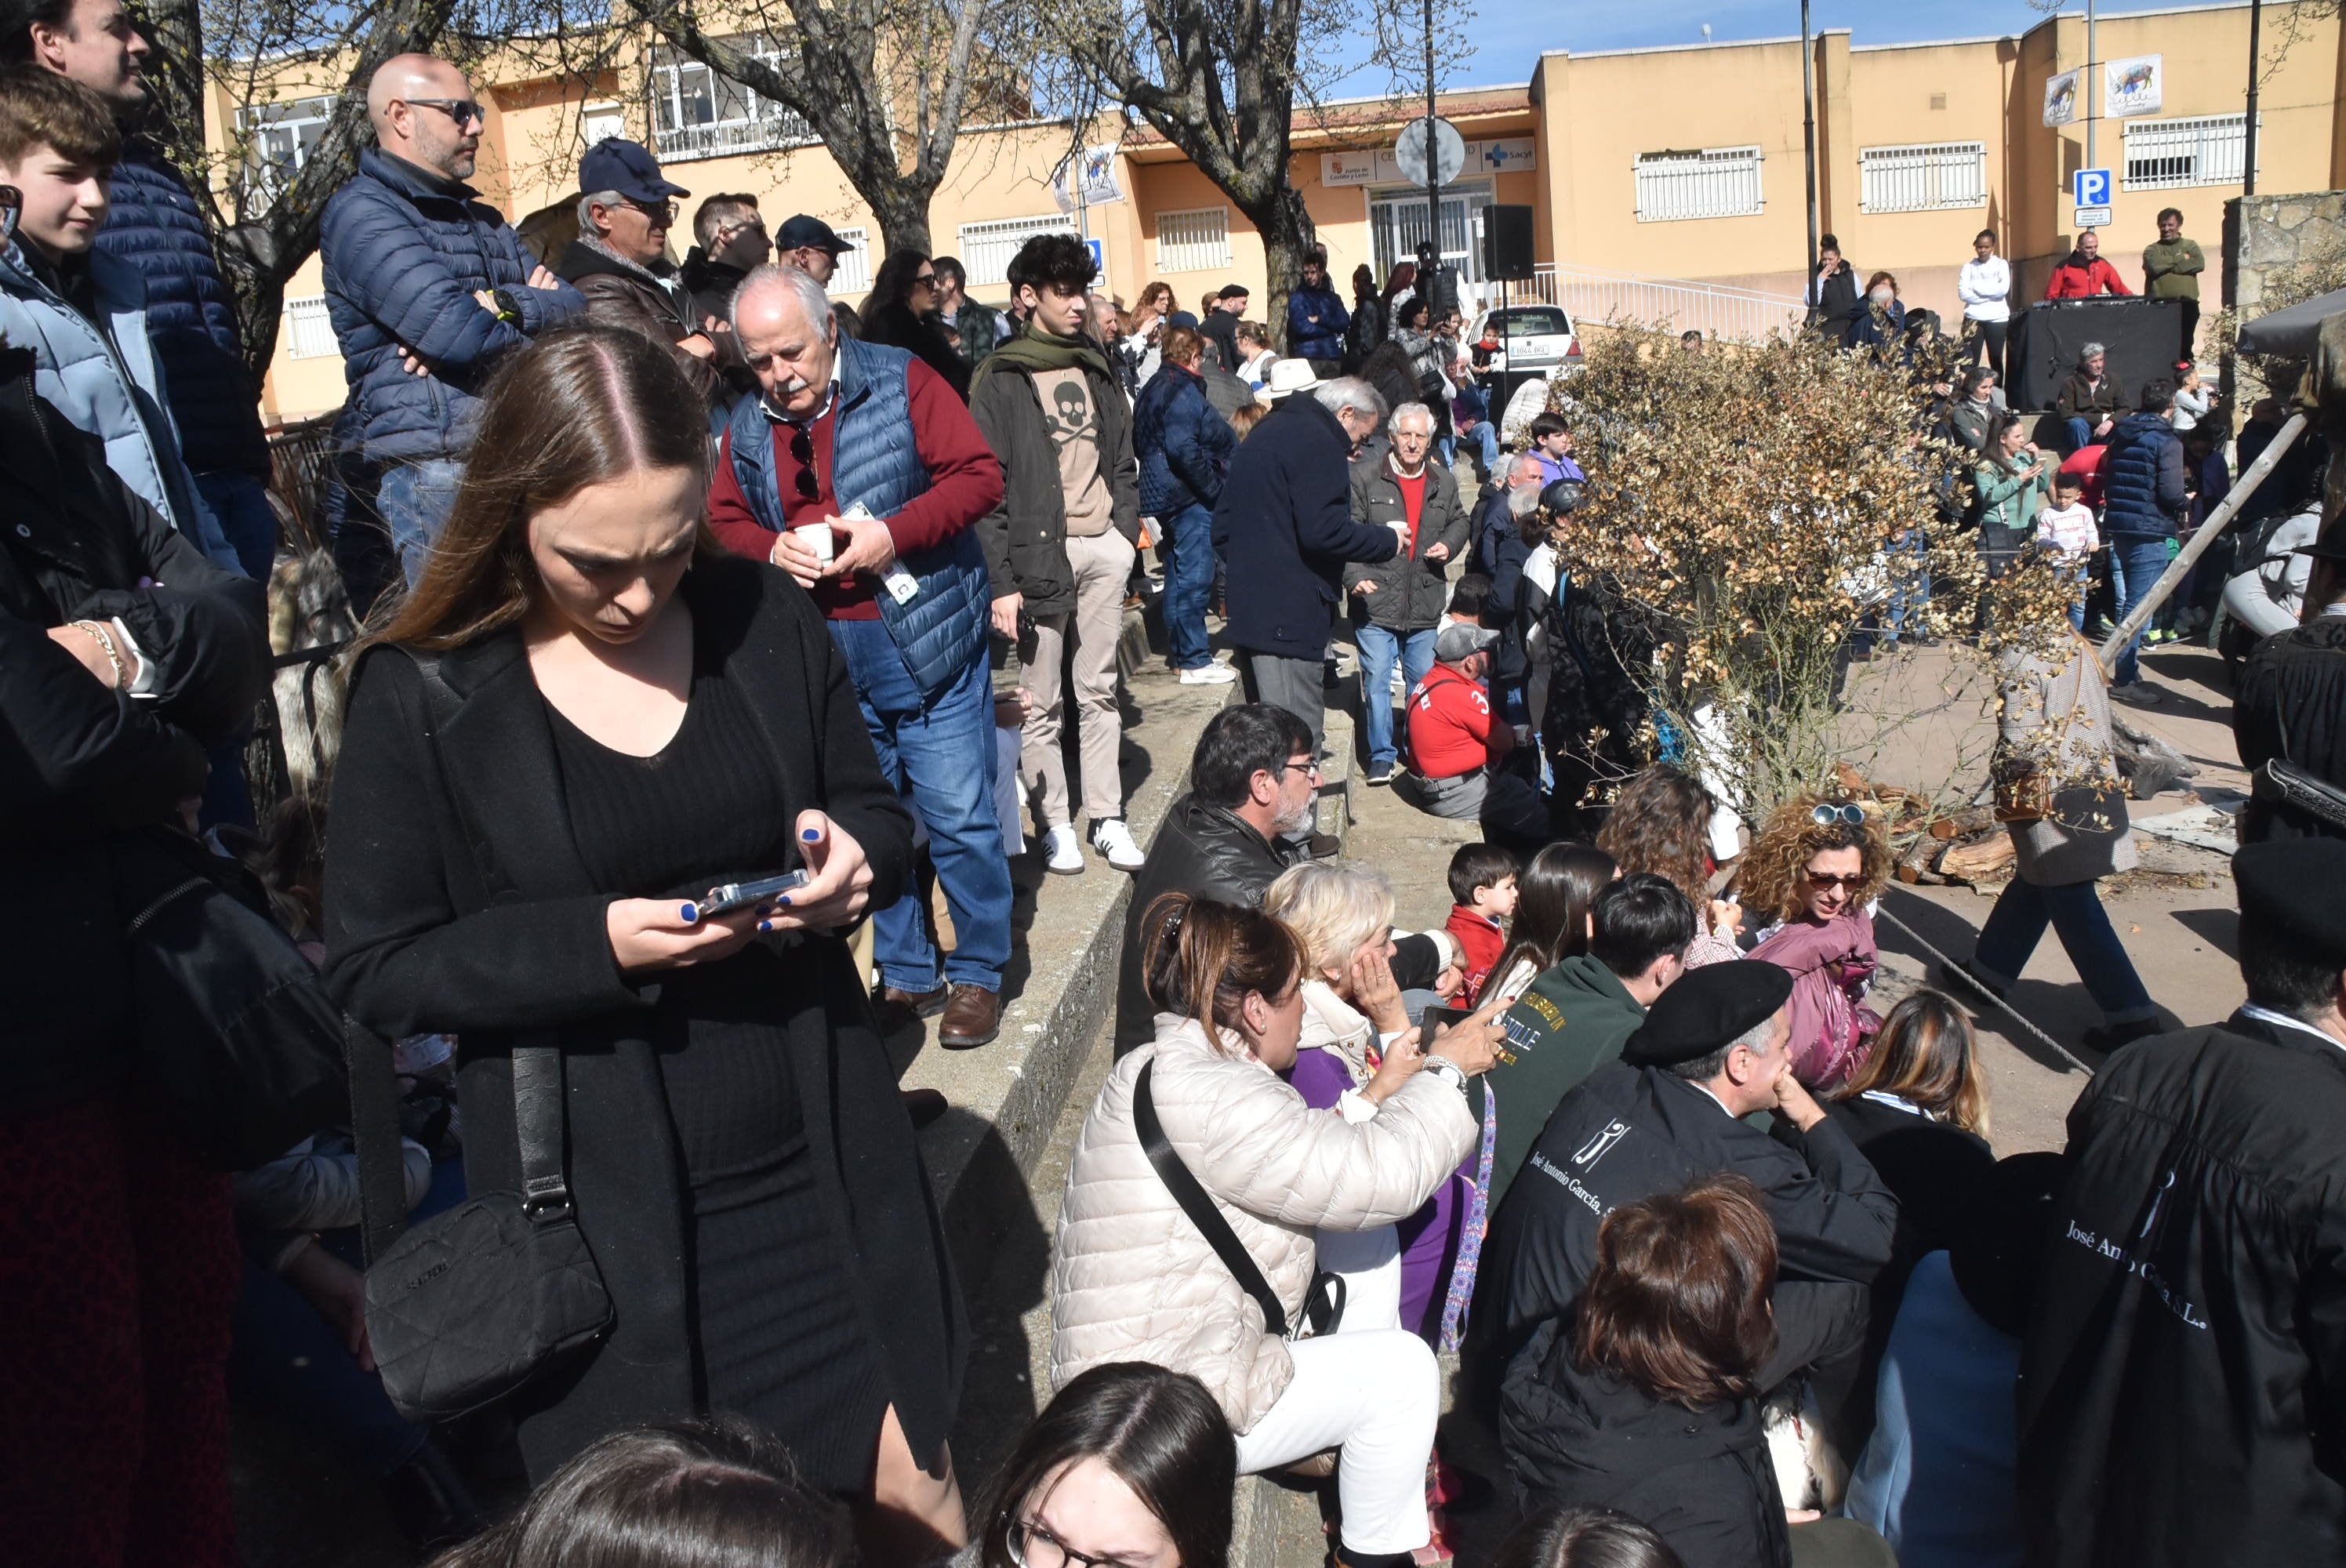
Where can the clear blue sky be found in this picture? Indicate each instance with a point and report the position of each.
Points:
(1510, 34)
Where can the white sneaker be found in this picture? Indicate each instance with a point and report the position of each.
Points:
(1113, 840)
(1063, 851)
(1209, 675)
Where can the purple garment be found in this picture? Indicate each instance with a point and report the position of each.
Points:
(1831, 1027)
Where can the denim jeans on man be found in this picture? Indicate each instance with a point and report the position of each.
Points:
(1378, 649)
(414, 500)
(940, 755)
(2075, 912)
(2136, 563)
(1188, 580)
(239, 503)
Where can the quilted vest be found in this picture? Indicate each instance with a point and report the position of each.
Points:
(875, 461)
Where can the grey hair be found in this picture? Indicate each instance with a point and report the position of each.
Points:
(1350, 392)
(1525, 460)
(1702, 1069)
(2089, 351)
(1523, 503)
(592, 199)
(812, 299)
(1419, 409)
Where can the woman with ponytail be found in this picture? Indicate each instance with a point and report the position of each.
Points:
(1134, 1278)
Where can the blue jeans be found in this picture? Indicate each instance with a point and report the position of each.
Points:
(415, 502)
(287, 1360)
(1910, 580)
(1378, 648)
(1188, 579)
(940, 754)
(239, 503)
(2081, 433)
(2136, 564)
(2075, 912)
(1485, 438)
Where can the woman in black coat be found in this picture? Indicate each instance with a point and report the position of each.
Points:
(622, 718)
(124, 655)
(901, 312)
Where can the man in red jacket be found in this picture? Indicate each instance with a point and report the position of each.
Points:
(2084, 273)
(837, 415)
(1455, 747)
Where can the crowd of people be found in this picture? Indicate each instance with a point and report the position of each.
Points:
(706, 619)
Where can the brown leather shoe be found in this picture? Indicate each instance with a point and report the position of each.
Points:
(971, 1018)
(913, 1004)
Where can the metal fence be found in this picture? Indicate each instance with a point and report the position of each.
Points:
(2168, 155)
(1714, 182)
(986, 248)
(1591, 296)
(1922, 179)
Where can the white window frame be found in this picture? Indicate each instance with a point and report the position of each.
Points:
(276, 144)
(2215, 145)
(674, 83)
(1194, 240)
(854, 273)
(1676, 185)
(1923, 177)
(309, 331)
(985, 248)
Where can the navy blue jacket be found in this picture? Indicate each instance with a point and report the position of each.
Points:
(1284, 525)
(1182, 443)
(1323, 340)
(155, 224)
(404, 258)
(2142, 479)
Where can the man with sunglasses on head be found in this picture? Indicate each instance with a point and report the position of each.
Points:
(729, 242)
(619, 261)
(427, 288)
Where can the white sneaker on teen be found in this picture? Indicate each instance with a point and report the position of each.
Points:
(1063, 851)
(1209, 675)
(1113, 840)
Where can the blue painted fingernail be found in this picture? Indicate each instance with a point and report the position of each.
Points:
(690, 914)
(810, 834)
(765, 925)
(783, 900)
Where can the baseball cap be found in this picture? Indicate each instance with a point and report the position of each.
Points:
(1458, 640)
(629, 167)
(800, 232)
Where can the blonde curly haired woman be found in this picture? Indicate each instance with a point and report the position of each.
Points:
(1810, 877)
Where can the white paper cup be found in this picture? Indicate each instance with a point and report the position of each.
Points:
(818, 538)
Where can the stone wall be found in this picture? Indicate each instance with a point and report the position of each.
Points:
(2278, 250)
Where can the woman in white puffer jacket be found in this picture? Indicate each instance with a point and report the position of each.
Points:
(1134, 1280)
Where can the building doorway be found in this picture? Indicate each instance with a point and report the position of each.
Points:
(1397, 223)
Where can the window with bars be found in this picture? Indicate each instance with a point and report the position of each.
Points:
(986, 248)
(1196, 240)
(2164, 155)
(1712, 182)
(309, 332)
(1922, 179)
(697, 113)
(278, 139)
(854, 273)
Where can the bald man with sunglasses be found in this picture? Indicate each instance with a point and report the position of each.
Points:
(428, 288)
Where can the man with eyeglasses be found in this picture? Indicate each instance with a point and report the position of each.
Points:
(428, 288)
(619, 261)
(859, 472)
(729, 242)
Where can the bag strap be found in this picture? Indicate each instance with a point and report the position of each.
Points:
(1199, 1208)
(374, 1132)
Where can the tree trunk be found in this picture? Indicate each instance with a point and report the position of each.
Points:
(1287, 231)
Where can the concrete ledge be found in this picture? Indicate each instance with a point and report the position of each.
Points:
(1007, 1095)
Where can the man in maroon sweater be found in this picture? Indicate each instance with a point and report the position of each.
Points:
(859, 472)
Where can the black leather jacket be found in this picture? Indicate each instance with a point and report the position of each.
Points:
(1201, 848)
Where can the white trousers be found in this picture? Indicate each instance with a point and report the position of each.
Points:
(1376, 1394)
(1370, 1262)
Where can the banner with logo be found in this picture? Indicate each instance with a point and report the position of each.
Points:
(1097, 173)
(2061, 97)
(2132, 86)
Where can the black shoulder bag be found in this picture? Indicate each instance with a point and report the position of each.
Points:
(1323, 1304)
(473, 1303)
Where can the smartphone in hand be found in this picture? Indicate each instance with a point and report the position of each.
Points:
(732, 896)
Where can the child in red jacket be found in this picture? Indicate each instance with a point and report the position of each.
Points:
(1482, 880)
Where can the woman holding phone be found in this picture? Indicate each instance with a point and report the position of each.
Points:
(585, 719)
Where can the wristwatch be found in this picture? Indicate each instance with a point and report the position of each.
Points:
(1443, 1067)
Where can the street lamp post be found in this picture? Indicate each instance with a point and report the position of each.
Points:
(1809, 129)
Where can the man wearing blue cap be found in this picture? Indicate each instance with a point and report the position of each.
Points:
(619, 261)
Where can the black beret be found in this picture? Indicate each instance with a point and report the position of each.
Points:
(2290, 886)
(1706, 1008)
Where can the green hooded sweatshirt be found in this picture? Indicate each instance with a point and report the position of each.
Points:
(1572, 1020)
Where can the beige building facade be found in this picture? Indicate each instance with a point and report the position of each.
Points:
(1662, 181)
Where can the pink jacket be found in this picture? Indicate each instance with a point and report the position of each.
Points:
(1833, 965)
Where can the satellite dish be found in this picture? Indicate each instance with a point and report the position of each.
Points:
(1449, 152)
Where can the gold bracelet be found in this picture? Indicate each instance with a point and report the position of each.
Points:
(105, 639)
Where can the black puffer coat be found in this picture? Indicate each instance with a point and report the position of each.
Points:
(2182, 1396)
(1700, 1477)
(81, 766)
(1202, 849)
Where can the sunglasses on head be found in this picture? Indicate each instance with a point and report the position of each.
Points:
(802, 453)
(1832, 811)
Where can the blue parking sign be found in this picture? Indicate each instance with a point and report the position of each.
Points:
(2091, 186)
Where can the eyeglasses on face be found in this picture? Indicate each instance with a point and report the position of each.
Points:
(1032, 1546)
(463, 111)
(1310, 767)
(664, 214)
(1828, 812)
(925, 279)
